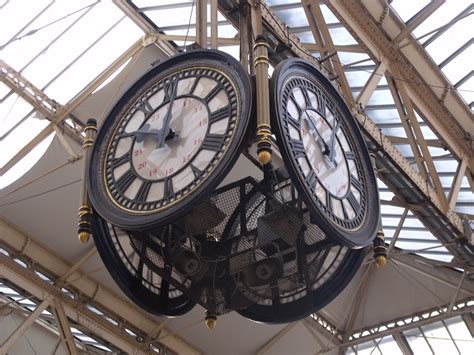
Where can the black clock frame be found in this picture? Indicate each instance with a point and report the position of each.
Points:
(183, 201)
(134, 287)
(360, 230)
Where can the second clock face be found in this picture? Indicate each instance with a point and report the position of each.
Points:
(324, 151)
(170, 137)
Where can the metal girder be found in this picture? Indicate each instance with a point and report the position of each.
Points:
(64, 328)
(90, 290)
(402, 343)
(323, 38)
(275, 338)
(49, 108)
(371, 85)
(18, 332)
(443, 109)
(132, 12)
(408, 322)
(74, 309)
(419, 18)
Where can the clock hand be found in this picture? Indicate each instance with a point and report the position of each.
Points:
(165, 130)
(319, 139)
(332, 142)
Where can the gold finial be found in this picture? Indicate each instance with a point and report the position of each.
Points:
(210, 320)
(84, 237)
(380, 261)
(264, 157)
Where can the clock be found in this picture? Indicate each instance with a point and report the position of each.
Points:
(324, 153)
(170, 139)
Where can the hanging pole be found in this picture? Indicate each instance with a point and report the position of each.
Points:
(201, 23)
(85, 211)
(264, 132)
(246, 41)
(380, 250)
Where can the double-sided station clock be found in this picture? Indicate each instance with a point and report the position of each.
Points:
(275, 250)
(170, 139)
(324, 152)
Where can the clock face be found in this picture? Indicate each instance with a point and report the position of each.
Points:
(171, 138)
(325, 153)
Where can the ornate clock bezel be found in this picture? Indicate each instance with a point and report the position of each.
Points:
(351, 235)
(139, 219)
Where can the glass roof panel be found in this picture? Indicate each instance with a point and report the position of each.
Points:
(25, 132)
(388, 346)
(461, 335)
(467, 90)
(60, 47)
(293, 17)
(12, 110)
(438, 337)
(417, 342)
(25, 164)
(460, 66)
(445, 37)
(408, 10)
(440, 17)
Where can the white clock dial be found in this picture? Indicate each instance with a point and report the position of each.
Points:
(176, 131)
(324, 152)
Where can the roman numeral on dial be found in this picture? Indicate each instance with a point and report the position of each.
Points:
(321, 105)
(145, 107)
(196, 171)
(219, 114)
(306, 98)
(213, 142)
(356, 183)
(294, 123)
(116, 162)
(169, 88)
(168, 190)
(311, 178)
(124, 181)
(298, 148)
(353, 201)
(212, 93)
(142, 193)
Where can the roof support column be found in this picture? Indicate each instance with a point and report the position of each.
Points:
(65, 330)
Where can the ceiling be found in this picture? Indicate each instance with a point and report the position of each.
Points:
(404, 70)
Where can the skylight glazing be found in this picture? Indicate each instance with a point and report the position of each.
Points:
(447, 35)
(449, 336)
(59, 47)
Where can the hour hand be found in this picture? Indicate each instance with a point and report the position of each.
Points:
(313, 131)
(145, 131)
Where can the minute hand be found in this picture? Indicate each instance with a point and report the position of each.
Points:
(332, 143)
(164, 129)
(318, 137)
